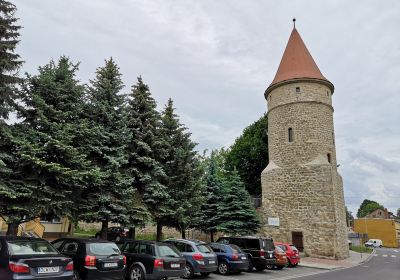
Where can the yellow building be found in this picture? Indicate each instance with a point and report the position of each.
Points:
(387, 230)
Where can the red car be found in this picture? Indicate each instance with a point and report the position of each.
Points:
(292, 253)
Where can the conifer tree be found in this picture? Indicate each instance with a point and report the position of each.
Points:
(50, 162)
(109, 197)
(182, 167)
(10, 62)
(236, 213)
(146, 150)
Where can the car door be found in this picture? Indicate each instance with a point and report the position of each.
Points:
(70, 249)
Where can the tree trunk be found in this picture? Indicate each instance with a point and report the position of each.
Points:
(212, 236)
(12, 228)
(159, 231)
(183, 232)
(132, 233)
(104, 228)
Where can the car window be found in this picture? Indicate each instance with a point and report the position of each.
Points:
(180, 246)
(223, 241)
(204, 248)
(215, 248)
(30, 247)
(236, 248)
(70, 247)
(146, 249)
(283, 247)
(189, 248)
(103, 248)
(241, 242)
(253, 244)
(167, 251)
(268, 245)
(293, 248)
(279, 249)
(131, 248)
(58, 244)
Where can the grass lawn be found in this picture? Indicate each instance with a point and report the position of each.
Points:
(361, 249)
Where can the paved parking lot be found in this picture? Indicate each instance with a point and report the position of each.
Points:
(286, 273)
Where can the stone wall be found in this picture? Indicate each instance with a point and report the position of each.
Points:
(301, 185)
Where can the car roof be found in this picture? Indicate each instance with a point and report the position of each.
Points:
(85, 240)
(190, 241)
(146, 241)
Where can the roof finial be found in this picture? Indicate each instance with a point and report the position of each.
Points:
(294, 23)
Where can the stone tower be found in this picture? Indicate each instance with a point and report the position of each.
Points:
(302, 191)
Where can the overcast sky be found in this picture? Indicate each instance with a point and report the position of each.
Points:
(216, 58)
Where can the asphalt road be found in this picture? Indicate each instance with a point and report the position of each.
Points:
(384, 265)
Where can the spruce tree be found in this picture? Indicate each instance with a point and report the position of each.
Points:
(236, 213)
(146, 149)
(108, 198)
(182, 167)
(49, 159)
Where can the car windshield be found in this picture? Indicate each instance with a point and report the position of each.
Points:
(279, 249)
(268, 245)
(104, 248)
(204, 248)
(168, 251)
(234, 247)
(30, 247)
(293, 248)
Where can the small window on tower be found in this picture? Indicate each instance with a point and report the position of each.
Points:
(297, 89)
(290, 134)
(329, 158)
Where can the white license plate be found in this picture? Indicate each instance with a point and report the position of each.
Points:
(175, 265)
(110, 265)
(243, 258)
(211, 262)
(50, 269)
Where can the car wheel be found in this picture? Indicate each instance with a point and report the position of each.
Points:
(260, 268)
(251, 266)
(188, 271)
(279, 267)
(136, 273)
(76, 275)
(270, 266)
(223, 268)
(204, 274)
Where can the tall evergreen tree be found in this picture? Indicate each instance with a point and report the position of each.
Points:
(108, 198)
(182, 167)
(53, 168)
(146, 149)
(236, 213)
(10, 62)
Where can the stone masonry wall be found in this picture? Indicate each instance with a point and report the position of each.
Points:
(300, 186)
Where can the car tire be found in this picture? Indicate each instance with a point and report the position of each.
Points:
(260, 267)
(204, 274)
(76, 275)
(223, 268)
(136, 273)
(188, 271)
(251, 266)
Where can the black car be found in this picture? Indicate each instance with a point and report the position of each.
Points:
(260, 250)
(152, 260)
(32, 258)
(114, 234)
(93, 259)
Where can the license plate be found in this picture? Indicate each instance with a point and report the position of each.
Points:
(49, 269)
(211, 262)
(243, 258)
(110, 265)
(175, 265)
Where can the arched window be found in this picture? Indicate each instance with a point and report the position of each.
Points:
(290, 134)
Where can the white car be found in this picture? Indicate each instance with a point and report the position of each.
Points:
(375, 243)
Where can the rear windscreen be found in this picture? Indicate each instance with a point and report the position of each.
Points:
(268, 245)
(204, 248)
(103, 248)
(168, 251)
(31, 247)
(234, 247)
(293, 248)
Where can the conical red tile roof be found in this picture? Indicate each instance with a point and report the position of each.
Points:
(297, 62)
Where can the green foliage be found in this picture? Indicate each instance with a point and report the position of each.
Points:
(249, 155)
(183, 170)
(108, 197)
(366, 207)
(9, 61)
(361, 249)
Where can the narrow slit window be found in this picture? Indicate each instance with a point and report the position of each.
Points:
(329, 158)
(290, 134)
(298, 89)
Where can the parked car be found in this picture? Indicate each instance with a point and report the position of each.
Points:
(281, 259)
(115, 234)
(152, 260)
(93, 259)
(260, 250)
(32, 258)
(292, 253)
(230, 258)
(200, 258)
(375, 243)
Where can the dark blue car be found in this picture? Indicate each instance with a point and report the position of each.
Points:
(230, 258)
